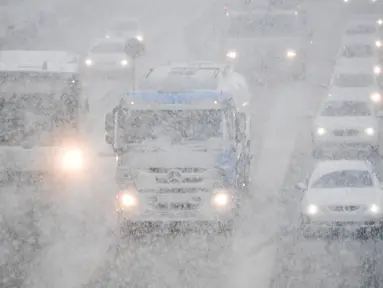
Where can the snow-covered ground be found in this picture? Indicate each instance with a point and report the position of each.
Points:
(79, 247)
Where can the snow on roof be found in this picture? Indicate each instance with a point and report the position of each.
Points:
(326, 167)
(39, 61)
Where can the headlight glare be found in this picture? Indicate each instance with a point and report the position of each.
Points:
(231, 54)
(312, 209)
(321, 131)
(73, 159)
(375, 97)
(369, 131)
(291, 54)
(379, 22)
(378, 43)
(221, 198)
(88, 62)
(377, 70)
(124, 62)
(140, 38)
(374, 208)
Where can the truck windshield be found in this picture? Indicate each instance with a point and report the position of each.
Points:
(176, 125)
(255, 25)
(37, 118)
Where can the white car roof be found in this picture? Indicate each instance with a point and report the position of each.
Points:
(44, 61)
(325, 167)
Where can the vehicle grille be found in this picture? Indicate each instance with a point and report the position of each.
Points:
(346, 132)
(174, 176)
(175, 206)
(348, 208)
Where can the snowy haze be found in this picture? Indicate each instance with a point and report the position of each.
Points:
(56, 238)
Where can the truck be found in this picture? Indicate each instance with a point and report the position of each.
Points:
(183, 147)
(41, 107)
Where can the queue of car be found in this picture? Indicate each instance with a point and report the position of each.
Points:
(344, 194)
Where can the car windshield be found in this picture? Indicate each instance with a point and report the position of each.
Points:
(358, 51)
(255, 25)
(38, 118)
(345, 109)
(108, 48)
(175, 125)
(123, 26)
(354, 80)
(344, 179)
(361, 30)
(181, 80)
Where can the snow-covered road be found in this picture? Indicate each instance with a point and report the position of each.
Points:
(263, 252)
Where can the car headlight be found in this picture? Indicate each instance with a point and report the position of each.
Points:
(378, 43)
(379, 22)
(321, 131)
(88, 62)
(232, 54)
(369, 131)
(291, 54)
(221, 198)
(107, 36)
(124, 62)
(140, 38)
(374, 208)
(73, 159)
(377, 70)
(345, 1)
(375, 97)
(312, 209)
(127, 198)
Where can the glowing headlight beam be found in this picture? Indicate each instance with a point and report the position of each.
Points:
(379, 22)
(221, 199)
(88, 62)
(374, 208)
(312, 209)
(375, 97)
(73, 160)
(369, 131)
(124, 62)
(140, 38)
(231, 54)
(377, 70)
(291, 54)
(128, 200)
(321, 131)
(378, 43)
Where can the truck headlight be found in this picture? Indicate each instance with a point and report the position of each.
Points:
(374, 208)
(127, 198)
(375, 97)
(369, 131)
(73, 159)
(377, 70)
(321, 131)
(124, 62)
(140, 38)
(312, 209)
(232, 54)
(221, 198)
(291, 54)
(378, 43)
(88, 62)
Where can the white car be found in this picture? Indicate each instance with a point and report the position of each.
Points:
(356, 53)
(364, 31)
(108, 56)
(125, 28)
(343, 124)
(356, 81)
(341, 194)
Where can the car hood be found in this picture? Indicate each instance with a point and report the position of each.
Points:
(343, 196)
(346, 122)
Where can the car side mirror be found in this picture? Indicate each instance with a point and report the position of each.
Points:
(300, 186)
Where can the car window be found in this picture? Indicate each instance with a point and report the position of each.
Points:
(345, 109)
(358, 51)
(344, 179)
(354, 80)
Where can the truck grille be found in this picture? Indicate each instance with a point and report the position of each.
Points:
(176, 206)
(346, 132)
(348, 208)
(177, 176)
